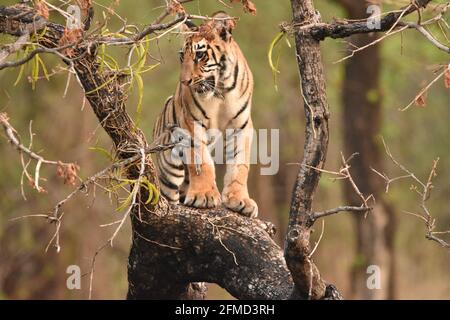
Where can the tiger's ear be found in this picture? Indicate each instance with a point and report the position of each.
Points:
(224, 24)
(188, 26)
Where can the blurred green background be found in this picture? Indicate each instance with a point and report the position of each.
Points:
(65, 130)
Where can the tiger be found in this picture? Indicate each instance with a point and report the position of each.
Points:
(214, 91)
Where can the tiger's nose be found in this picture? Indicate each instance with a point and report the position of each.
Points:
(186, 82)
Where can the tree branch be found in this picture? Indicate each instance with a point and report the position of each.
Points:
(343, 29)
(423, 189)
(427, 35)
(322, 214)
(67, 170)
(10, 49)
(209, 242)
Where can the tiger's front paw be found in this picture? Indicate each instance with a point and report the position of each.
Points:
(242, 205)
(202, 199)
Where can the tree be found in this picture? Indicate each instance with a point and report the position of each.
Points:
(361, 118)
(173, 245)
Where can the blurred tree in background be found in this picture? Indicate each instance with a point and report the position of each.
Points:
(361, 123)
(68, 131)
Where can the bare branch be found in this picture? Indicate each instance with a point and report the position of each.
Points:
(427, 35)
(424, 191)
(424, 90)
(10, 49)
(32, 54)
(11, 133)
(13, 137)
(321, 214)
(344, 174)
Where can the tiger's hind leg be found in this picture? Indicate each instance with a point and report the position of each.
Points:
(169, 164)
(185, 185)
(171, 174)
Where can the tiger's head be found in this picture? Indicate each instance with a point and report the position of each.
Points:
(206, 54)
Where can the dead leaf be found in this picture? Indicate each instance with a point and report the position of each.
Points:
(230, 24)
(249, 6)
(70, 36)
(421, 99)
(206, 31)
(84, 5)
(176, 8)
(41, 9)
(69, 172)
(32, 184)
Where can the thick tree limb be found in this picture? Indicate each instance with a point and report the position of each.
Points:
(216, 246)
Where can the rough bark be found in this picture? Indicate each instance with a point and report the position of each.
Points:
(307, 279)
(361, 121)
(215, 246)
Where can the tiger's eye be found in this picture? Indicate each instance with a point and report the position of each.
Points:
(200, 55)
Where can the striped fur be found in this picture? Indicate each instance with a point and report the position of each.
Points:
(215, 91)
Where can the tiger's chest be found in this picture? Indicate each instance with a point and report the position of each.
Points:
(220, 113)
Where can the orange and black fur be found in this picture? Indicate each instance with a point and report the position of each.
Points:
(215, 91)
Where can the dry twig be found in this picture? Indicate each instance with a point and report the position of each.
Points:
(423, 189)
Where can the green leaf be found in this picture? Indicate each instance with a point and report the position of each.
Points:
(147, 185)
(273, 66)
(149, 68)
(140, 86)
(126, 203)
(118, 186)
(156, 195)
(35, 71)
(44, 68)
(19, 76)
(153, 194)
(102, 85)
(273, 44)
(288, 43)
